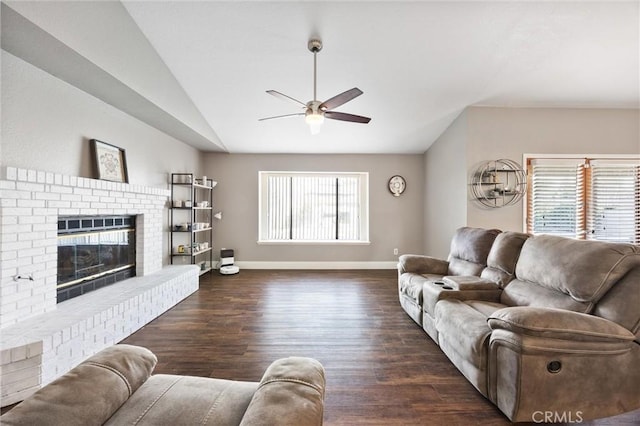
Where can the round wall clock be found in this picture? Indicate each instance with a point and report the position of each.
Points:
(397, 185)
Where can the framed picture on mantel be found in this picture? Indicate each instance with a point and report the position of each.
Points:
(110, 162)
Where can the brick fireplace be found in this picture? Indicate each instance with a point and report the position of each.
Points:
(41, 339)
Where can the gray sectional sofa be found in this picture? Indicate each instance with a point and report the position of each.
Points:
(115, 387)
(545, 327)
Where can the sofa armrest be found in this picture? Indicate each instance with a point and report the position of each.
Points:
(291, 392)
(469, 282)
(419, 264)
(558, 324)
(89, 393)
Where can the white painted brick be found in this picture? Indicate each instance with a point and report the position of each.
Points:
(16, 211)
(69, 212)
(82, 191)
(30, 203)
(65, 180)
(17, 246)
(9, 238)
(38, 251)
(11, 173)
(15, 194)
(8, 202)
(59, 204)
(7, 185)
(44, 212)
(31, 236)
(18, 353)
(59, 189)
(30, 186)
(57, 179)
(46, 196)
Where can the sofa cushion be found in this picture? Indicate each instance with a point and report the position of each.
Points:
(523, 293)
(185, 400)
(469, 250)
(583, 270)
(79, 398)
(502, 259)
(463, 335)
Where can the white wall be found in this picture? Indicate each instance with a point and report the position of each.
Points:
(395, 222)
(47, 125)
(445, 204)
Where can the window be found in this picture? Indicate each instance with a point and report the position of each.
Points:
(586, 198)
(313, 207)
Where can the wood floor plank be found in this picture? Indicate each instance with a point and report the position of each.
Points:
(382, 369)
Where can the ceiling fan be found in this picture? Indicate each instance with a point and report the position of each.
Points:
(316, 111)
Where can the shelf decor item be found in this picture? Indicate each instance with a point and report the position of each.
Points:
(110, 162)
(498, 183)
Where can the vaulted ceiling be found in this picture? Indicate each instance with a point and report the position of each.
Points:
(419, 64)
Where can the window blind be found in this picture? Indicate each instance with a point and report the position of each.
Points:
(300, 206)
(614, 200)
(556, 201)
(587, 198)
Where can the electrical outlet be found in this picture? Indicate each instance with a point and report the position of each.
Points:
(395, 251)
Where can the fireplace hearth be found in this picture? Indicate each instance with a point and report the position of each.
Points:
(94, 252)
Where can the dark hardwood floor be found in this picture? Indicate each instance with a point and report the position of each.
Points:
(382, 368)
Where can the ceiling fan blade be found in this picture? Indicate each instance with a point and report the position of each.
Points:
(343, 116)
(285, 97)
(340, 99)
(281, 116)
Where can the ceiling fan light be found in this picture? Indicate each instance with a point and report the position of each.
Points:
(314, 120)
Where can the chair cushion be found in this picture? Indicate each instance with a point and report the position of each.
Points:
(186, 400)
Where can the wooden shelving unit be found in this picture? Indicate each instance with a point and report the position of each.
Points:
(191, 221)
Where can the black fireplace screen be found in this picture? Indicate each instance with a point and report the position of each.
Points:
(94, 252)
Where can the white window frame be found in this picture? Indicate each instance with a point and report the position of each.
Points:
(527, 157)
(263, 199)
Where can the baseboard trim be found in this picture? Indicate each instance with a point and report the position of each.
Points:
(316, 265)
